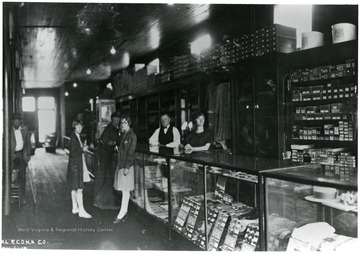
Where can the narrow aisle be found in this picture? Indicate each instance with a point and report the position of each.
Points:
(50, 220)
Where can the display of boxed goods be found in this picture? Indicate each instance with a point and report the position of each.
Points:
(220, 188)
(324, 72)
(212, 214)
(298, 152)
(231, 237)
(218, 231)
(122, 82)
(251, 237)
(182, 215)
(192, 217)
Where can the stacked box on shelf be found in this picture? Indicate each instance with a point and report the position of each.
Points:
(226, 53)
(122, 82)
(325, 155)
(324, 72)
(182, 215)
(150, 80)
(344, 167)
(298, 151)
(195, 206)
(157, 79)
(165, 77)
(139, 80)
(182, 66)
(212, 214)
(346, 132)
(251, 238)
(232, 235)
(218, 231)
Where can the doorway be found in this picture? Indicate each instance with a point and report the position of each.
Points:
(40, 116)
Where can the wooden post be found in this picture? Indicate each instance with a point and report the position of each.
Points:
(7, 103)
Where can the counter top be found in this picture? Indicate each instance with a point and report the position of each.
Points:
(247, 164)
(313, 174)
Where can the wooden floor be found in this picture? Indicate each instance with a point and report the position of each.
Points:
(51, 222)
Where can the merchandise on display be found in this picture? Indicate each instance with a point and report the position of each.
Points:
(312, 40)
(343, 32)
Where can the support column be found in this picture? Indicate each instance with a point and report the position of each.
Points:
(62, 114)
(6, 112)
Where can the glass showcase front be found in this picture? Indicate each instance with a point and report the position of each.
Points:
(311, 211)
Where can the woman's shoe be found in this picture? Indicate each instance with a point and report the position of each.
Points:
(116, 221)
(84, 215)
(124, 218)
(75, 210)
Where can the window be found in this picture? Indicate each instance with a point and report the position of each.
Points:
(46, 117)
(28, 104)
(153, 67)
(46, 103)
(297, 16)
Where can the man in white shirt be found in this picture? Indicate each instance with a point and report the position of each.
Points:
(20, 151)
(167, 135)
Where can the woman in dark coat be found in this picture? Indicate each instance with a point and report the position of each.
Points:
(77, 171)
(124, 174)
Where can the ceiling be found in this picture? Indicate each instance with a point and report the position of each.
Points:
(60, 41)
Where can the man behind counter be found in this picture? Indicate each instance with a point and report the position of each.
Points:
(167, 135)
(104, 179)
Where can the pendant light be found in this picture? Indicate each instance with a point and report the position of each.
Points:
(112, 50)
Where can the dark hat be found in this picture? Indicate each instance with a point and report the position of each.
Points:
(116, 114)
(17, 115)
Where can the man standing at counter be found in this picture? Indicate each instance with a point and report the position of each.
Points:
(167, 135)
(104, 178)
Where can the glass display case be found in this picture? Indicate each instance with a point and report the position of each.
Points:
(309, 209)
(210, 200)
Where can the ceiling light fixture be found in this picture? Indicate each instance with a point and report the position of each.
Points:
(88, 71)
(112, 50)
(74, 85)
(87, 30)
(66, 94)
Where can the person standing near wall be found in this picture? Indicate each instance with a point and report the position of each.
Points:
(20, 151)
(104, 178)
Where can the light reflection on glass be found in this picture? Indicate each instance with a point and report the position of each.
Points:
(154, 36)
(45, 53)
(126, 59)
(201, 13)
(297, 16)
(200, 44)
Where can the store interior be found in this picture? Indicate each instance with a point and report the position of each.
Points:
(277, 86)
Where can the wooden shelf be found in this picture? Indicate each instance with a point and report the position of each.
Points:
(323, 81)
(322, 102)
(328, 54)
(306, 122)
(336, 143)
